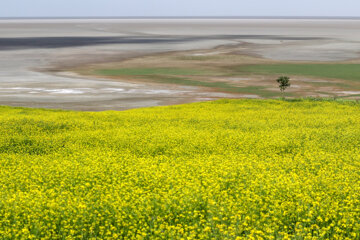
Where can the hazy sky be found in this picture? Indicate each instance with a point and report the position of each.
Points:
(67, 8)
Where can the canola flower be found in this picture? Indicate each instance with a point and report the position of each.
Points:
(229, 169)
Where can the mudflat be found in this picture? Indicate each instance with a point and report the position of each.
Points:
(35, 56)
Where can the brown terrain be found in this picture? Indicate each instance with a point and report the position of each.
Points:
(55, 63)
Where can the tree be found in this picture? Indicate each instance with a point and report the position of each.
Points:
(284, 82)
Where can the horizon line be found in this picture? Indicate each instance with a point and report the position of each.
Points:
(182, 17)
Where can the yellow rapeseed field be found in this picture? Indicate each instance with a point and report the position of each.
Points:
(229, 169)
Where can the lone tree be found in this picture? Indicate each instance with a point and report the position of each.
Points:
(284, 82)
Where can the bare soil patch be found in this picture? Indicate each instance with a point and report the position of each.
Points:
(217, 73)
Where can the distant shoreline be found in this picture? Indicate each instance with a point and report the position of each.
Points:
(191, 17)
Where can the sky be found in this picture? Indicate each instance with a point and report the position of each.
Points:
(148, 8)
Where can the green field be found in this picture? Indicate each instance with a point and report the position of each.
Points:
(186, 77)
(198, 76)
(337, 71)
(223, 86)
(229, 169)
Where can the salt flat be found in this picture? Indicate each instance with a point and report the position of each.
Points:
(31, 49)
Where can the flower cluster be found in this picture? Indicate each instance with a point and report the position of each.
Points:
(229, 169)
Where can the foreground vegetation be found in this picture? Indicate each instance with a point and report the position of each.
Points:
(246, 169)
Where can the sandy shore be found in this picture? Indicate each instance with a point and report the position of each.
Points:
(30, 48)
